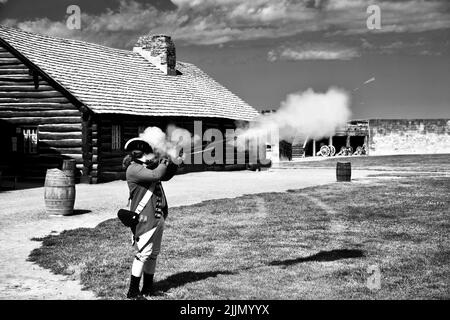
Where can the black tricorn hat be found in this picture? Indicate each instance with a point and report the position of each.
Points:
(138, 144)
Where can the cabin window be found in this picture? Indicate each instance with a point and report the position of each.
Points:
(116, 135)
(30, 140)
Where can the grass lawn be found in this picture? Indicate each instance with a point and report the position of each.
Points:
(414, 163)
(314, 243)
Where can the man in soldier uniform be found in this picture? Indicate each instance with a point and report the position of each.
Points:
(144, 174)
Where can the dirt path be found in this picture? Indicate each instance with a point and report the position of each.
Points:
(23, 217)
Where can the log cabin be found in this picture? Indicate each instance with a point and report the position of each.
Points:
(62, 98)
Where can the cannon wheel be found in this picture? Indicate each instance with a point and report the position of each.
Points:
(325, 151)
(332, 150)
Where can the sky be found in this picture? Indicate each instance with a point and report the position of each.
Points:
(263, 50)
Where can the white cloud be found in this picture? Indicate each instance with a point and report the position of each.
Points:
(315, 51)
(421, 46)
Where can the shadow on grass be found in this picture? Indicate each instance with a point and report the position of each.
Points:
(322, 256)
(182, 278)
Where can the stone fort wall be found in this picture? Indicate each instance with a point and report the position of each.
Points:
(414, 136)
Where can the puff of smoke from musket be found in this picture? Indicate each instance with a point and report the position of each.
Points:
(303, 114)
(169, 143)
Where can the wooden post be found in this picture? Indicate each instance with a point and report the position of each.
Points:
(366, 143)
(330, 141)
(314, 147)
(347, 143)
(86, 130)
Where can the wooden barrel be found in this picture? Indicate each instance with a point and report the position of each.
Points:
(344, 171)
(69, 167)
(59, 193)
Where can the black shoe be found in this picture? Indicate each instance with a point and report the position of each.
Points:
(147, 288)
(133, 291)
(135, 295)
(146, 292)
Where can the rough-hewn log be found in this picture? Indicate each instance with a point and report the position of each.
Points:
(15, 78)
(38, 104)
(71, 143)
(105, 146)
(12, 66)
(33, 106)
(112, 161)
(110, 176)
(61, 100)
(105, 131)
(5, 54)
(106, 137)
(44, 120)
(115, 157)
(18, 82)
(38, 113)
(27, 94)
(60, 127)
(39, 166)
(52, 158)
(141, 122)
(26, 88)
(5, 58)
(77, 157)
(14, 71)
(53, 150)
(112, 168)
(47, 135)
(131, 131)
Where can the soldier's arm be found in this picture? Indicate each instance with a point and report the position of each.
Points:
(145, 175)
(171, 171)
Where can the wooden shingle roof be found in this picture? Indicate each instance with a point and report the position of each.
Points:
(109, 80)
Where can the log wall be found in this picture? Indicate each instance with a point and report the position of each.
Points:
(27, 100)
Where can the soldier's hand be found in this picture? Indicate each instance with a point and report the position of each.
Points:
(165, 160)
(142, 218)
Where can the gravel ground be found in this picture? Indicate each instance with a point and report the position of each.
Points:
(23, 217)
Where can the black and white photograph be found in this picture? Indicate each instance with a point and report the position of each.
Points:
(224, 150)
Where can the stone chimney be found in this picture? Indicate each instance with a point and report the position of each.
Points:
(160, 51)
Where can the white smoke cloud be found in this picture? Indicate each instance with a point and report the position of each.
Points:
(307, 114)
(171, 142)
